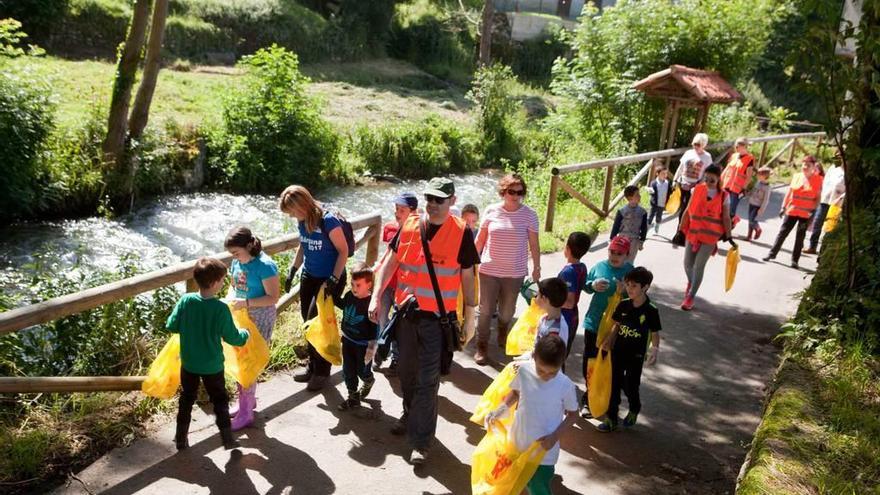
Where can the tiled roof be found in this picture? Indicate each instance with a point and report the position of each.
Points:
(684, 82)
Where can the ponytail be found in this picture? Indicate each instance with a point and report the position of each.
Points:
(242, 237)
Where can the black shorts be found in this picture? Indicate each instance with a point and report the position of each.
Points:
(590, 349)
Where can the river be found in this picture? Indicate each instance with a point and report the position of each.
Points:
(184, 226)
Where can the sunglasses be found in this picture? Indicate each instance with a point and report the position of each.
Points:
(435, 199)
(619, 253)
(515, 192)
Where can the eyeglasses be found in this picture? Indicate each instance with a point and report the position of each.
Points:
(435, 199)
(515, 192)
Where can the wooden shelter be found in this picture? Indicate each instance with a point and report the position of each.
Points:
(683, 87)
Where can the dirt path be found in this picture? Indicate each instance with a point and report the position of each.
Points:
(702, 404)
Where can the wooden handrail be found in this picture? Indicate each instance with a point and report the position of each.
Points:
(58, 307)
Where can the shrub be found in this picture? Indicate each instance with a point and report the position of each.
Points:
(496, 111)
(532, 59)
(428, 148)
(193, 38)
(26, 119)
(272, 133)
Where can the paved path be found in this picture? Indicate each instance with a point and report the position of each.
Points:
(702, 403)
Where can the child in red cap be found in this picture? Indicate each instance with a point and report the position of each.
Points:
(603, 280)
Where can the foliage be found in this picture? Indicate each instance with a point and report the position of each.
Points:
(272, 133)
(636, 38)
(428, 148)
(496, 112)
(438, 39)
(532, 59)
(26, 119)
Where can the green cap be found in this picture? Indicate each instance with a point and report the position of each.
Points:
(441, 187)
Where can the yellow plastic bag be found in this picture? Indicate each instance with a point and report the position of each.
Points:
(831, 219)
(164, 375)
(674, 201)
(599, 384)
(495, 394)
(607, 323)
(521, 338)
(498, 468)
(322, 331)
(245, 363)
(730, 268)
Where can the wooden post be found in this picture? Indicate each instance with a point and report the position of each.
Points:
(52, 384)
(609, 183)
(698, 119)
(667, 114)
(794, 143)
(779, 153)
(551, 202)
(673, 125)
(372, 245)
(763, 154)
(818, 145)
(705, 116)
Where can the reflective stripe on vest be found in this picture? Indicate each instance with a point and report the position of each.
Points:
(804, 195)
(706, 225)
(414, 277)
(734, 177)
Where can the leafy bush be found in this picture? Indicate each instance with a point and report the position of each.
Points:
(533, 59)
(418, 149)
(636, 38)
(441, 42)
(497, 112)
(272, 133)
(26, 119)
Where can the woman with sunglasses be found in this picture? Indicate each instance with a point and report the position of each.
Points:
(706, 221)
(508, 234)
(691, 169)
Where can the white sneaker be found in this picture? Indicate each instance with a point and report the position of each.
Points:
(418, 457)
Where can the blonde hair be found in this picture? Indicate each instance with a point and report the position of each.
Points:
(701, 138)
(296, 195)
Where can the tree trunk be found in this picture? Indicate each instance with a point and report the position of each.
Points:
(126, 70)
(140, 111)
(486, 34)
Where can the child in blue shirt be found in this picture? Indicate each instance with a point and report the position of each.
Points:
(603, 280)
(358, 337)
(574, 274)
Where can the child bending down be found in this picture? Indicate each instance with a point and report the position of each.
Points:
(546, 406)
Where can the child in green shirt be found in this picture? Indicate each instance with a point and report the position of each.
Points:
(203, 321)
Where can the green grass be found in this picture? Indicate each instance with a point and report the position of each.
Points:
(821, 428)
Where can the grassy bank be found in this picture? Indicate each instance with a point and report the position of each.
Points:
(821, 428)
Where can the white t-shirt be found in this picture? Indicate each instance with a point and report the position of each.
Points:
(545, 325)
(541, 409)
(833, 186)
(691, 154)
(506, 253)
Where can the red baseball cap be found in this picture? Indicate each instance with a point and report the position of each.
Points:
(620, 244)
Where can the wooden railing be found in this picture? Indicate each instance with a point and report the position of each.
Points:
(608, 203)
(59, 307)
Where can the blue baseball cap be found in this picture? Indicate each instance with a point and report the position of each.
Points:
(407, 199)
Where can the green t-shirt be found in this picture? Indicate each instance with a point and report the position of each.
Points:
(202, 323)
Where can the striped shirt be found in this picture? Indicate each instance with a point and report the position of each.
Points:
(506, 253)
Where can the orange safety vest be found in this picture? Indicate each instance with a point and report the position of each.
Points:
(733, 178)
(705, 225)
(803, 195)
(414, 277)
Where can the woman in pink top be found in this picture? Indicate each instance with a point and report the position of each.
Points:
(508, 233)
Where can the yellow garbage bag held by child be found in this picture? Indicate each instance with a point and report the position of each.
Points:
(521, 338)
(599, 384)
(322, 331)
(495, 394)
(164, 375)
(607, 323)
(674, 201)
(605, 327)
(730, 267)
(832, 218)
(245, 363)
(498, 468)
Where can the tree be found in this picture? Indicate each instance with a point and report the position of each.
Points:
(126, 70)
(486, 34)
(141, 109)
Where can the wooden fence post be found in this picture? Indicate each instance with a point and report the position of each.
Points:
(763, 154)
(372, 244)
(551, 202)
(609, 183)
(818, 145)
(794, 144)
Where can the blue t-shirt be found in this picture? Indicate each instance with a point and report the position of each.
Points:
(574, 275)
(320, 254)
(247, 278)
(599, 302)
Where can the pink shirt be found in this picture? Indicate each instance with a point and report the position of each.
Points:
(506, 253)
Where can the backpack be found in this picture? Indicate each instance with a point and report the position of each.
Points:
(347, 231)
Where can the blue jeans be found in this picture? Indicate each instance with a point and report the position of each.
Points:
(656, 215)
(385, 304)
(353, 366)
(734, 203)
(753, 217)
(818, 221)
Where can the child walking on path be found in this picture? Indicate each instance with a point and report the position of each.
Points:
(659, 191)
(551, 296)
(203, 321)
(759, 198)
(574, 274)
(602, 281)
(635, 318)
(546, 406)
(358, 337)
(631, 222)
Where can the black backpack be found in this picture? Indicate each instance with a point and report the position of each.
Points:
(347, 231)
